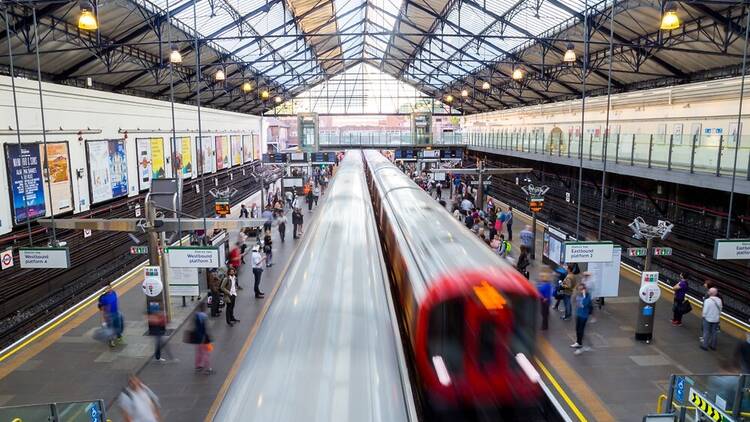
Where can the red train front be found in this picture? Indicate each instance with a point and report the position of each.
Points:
(469, 316)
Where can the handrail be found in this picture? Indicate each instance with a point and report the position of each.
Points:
(677, 406)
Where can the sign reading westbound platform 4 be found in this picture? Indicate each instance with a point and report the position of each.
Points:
(587, 252)
(707, 408)
(732, 249)
(44, 257)
(193, 257)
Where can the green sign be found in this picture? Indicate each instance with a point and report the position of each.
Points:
(637, 251)
(662, 251)
(139, 250)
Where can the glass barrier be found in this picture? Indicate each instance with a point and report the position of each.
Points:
(90, 411)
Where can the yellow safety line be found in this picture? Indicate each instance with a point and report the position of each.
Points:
(562, 392)
(74, 312)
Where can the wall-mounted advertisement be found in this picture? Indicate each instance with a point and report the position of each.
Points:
(143, 150)
(257, 152)
(247, 148)
(206, 162)
(108, 169)
(183, 156)
(158, 171)
(236, 142)
(222, 152)
(60, 195)
(25, 177)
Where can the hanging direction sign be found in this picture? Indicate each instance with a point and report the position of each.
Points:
(44, 257)
(732, 249)
(587, 252)
(193, 257)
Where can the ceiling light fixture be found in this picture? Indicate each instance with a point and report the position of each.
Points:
(669, 19)
(449, 98)
(219, 75)
(517, 74)
(486, 86)
(247, 87)
(265, 94)
(570, 54)
(277, 99)
(175, 57)
(464, 93)
(87, 19)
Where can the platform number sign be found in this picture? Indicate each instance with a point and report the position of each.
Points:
(707, 408)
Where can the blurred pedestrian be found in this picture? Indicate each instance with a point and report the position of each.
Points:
(309, 196)
(742, 355)
(567, 289)
(297, 222)
(111, 317)
(257, 261)
(679, 307)
(712, 307)
(523, 262)
(235, 260)
(268, 248)
(583, 310)
(281, 224)
(268, 217)
(544, 286)
(509, 223)
(157, 327)
(229, 287)
(202, 340)
(139, 403)
(527, 237)
(214, 287)
(316, 194)
(244, 213)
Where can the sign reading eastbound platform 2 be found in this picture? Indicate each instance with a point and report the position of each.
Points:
(587, 252)
(707, 408)
(44, 257)
(732, 249)
(193, 257)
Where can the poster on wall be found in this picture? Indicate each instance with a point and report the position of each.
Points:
(183, 156)
(60, 195)
(247, 148)
(143, 150)
(25, 177)
(222, 152)
(256, 146)
(108, 169)
(206, 162)
(157, 159)
(236, 142)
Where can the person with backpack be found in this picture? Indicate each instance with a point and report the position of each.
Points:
(584, 306)
(139, 403)
(712, 307)
(680, 305)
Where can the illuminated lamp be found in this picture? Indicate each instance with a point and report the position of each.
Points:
(87, 19)
(669, 19)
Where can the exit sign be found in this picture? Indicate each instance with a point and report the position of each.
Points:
(139, 250)
(662, 251)
(637, 251)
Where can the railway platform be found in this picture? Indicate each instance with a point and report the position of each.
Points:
(63, 363)
(617, 378)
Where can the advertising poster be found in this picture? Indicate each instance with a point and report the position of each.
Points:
(222, 152)
(157, 159)
(183, 157)
(60, 196)
(143, 149)
(247, 148)
(256, 146)
(25, 178)
(206, 162)
(108, 169)
(236, 142)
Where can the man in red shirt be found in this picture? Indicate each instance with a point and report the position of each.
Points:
(235, 260)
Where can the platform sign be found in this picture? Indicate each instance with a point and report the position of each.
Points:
(183, 282)
(536, 203)
(604, 279)
(587, 252)
(139, 250)
(637, 251)
(193, 257)
(6, 259)
(660, 251)
(707, 408)
(679, 389)
(152, 284)
(732, 249)
(44, 257)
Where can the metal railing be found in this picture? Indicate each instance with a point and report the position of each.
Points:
(89, 411)
(713, 154)
(729, 394)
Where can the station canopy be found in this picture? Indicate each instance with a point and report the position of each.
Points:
(453, 56)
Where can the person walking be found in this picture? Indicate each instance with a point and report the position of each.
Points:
(281, 224)
(157, 327)
(268, 217)
(583, 310)
(680, 303)
(316, 194)
(544, 286)
(527, 237)
(229, 287)
(244, 213)
(309, 197)
(523, 262)
(712, 307)
(254, 210)
(235, 260)
(297, 220)
(439, 190)
(138, 402)
(267, 248)
(566, 291)
(257, 261)
(202, 340)
(111, 316)
(509, 223)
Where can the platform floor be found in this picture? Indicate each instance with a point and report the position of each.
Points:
(618, 378)
(66, 364)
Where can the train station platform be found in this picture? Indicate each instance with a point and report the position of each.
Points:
(617, 378)
(63, 362)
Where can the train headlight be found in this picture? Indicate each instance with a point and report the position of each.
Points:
(441, 370)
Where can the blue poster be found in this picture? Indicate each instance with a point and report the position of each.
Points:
(25, 176)
(118, 167)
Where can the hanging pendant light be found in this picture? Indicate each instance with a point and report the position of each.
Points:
(265, 94)
(486, 86)
(247, 87)
(517, 74)
(87, 19)
(669, 19)
(277, 100)
(449, 98)
(219, 75)
(175, 57)
(464, 93)
(570, 54)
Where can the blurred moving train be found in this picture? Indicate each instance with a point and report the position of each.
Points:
(469, 316)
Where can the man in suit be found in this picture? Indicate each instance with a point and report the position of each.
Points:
(229, 287)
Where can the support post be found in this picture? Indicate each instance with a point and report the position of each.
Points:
(533, 237)
(692, 154)
(644, 329)
(671, 146)
(718, 156)
(632, 151)
(650, 148)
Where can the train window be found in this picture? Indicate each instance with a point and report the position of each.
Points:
(524, 323)
(446, 334)
(487, 343)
